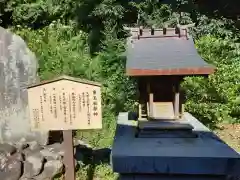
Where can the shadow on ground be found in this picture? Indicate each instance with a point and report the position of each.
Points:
(92, 157)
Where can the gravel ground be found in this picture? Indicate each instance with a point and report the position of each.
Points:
(230, 133)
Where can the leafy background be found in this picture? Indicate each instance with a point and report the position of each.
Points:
(86, 39)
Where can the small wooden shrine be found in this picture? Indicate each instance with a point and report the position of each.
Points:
(160, 58)
(164, 142)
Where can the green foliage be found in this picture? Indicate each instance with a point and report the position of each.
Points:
(121, 87)
(37, 14)
(61, 49)
(86, 39)
(216, 98)
(30, 14)
(153, 13)
(224, 28)
(94, 16)
(101, 171)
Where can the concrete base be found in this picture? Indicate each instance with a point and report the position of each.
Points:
(205, 154)
(175, 177)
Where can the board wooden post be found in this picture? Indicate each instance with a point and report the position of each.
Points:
(65, 104)
(69, 155)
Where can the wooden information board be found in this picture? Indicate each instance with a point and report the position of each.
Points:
(65, 103)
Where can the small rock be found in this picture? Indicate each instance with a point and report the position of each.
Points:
(17, 156)
(7, 149)
(29, 151)
(29, 170)
(34, 146)
(22, 144)
(56, 148)
(3, 160)
(33, 165)
(48, 155)
(24, 178)
(53, 152)
(12, 170)
(51, 169)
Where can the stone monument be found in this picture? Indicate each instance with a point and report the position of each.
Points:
(18, 68)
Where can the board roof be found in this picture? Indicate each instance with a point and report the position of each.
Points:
(64, 77)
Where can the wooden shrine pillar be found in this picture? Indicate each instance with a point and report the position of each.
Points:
(139, 100)
(176, 97)
(150, 101)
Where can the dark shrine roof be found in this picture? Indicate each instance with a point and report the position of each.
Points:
(168, 54)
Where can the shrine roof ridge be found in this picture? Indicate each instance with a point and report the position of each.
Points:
(159, 33)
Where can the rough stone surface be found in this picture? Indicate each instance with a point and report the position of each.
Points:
(33, 165)
(51, 169)
(56, 148)
(53, 152)
(24, 178)
(29, 152)
(17, 156)
(33, 145)
(22, 144)
(50, 155)
(3, 160)
(11, 171)
(7, 149)
(33, 148)
(18, 68)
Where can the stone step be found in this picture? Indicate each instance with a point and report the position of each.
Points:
(164, 125)
(165, 134)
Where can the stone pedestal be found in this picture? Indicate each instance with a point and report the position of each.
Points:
(171, 157)
(18, 68)
(174, 177)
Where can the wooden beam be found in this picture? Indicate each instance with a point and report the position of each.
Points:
(177, 71)
(182, 110)
(148, 111)
(151, 104)
(150, 100)
(176, 99)
(140, 110)
(69, 155)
